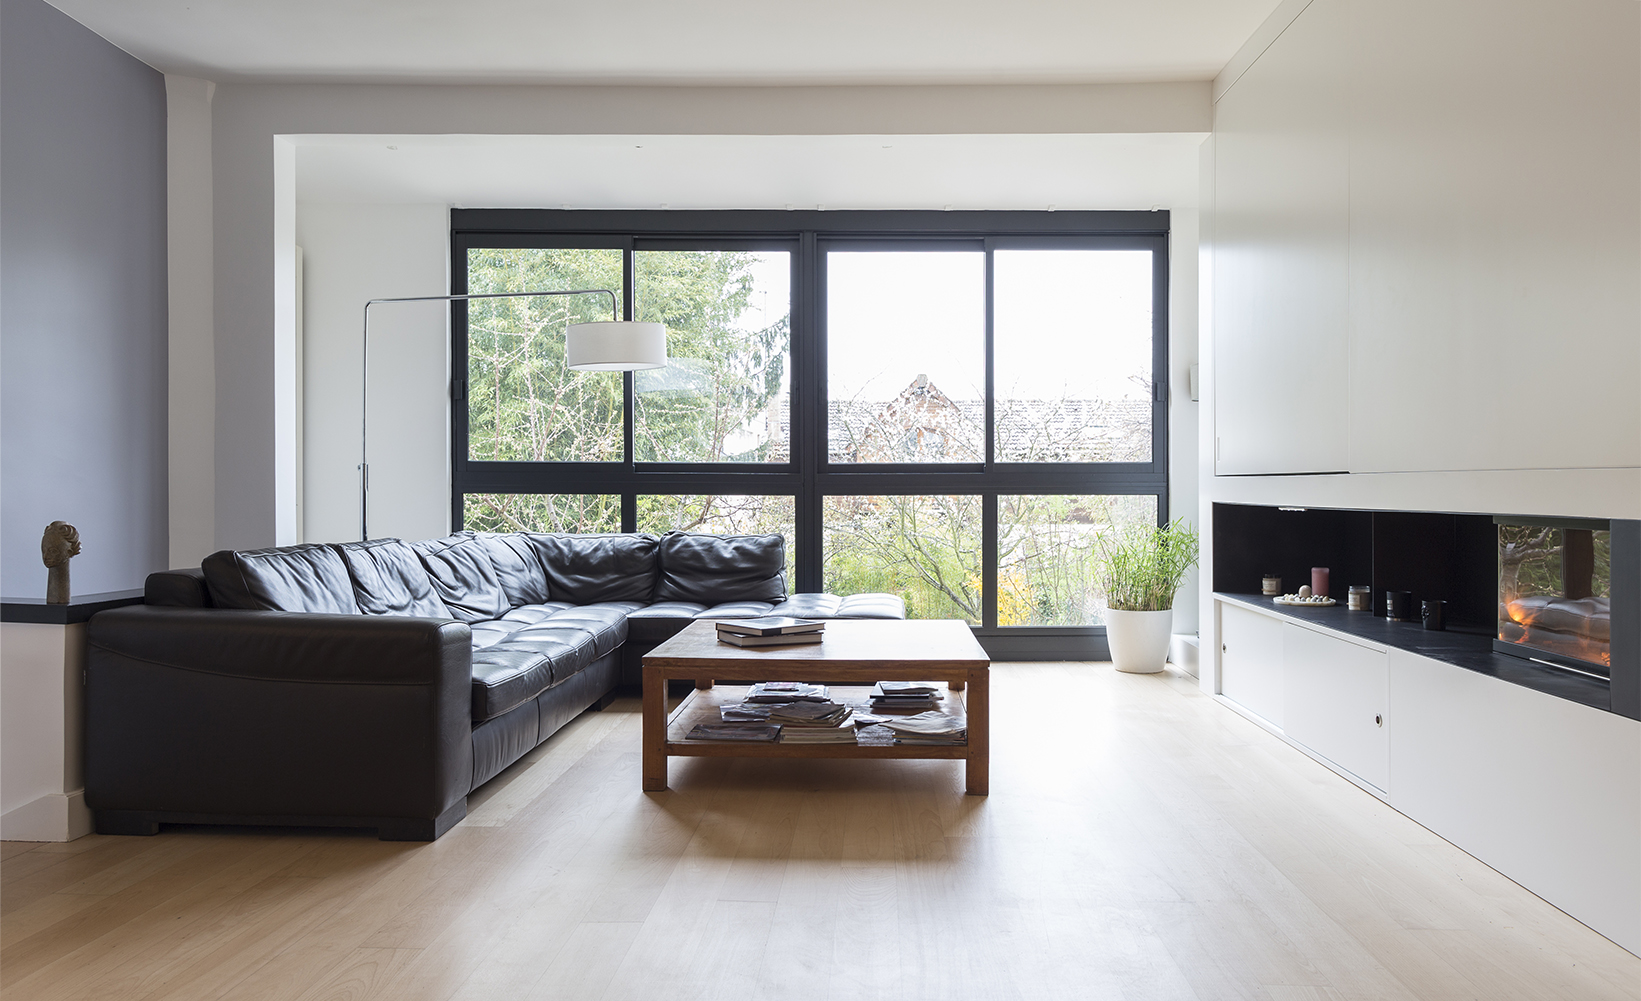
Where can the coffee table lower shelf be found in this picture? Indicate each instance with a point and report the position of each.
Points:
(702, 707)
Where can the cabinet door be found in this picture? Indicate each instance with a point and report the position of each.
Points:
(1250, 666)
(1337, 695)
(1281, 265)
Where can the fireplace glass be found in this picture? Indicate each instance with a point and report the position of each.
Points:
(1555, 593)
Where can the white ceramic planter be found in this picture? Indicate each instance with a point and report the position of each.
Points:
(1139, 640)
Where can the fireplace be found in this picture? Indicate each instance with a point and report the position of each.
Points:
(1555, 593)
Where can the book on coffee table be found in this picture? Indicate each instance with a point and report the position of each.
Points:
(770, 625)
(778, 639)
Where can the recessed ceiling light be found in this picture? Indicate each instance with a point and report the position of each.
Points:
(393, 147)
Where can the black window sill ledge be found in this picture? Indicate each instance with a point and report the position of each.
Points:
(1469, 647)
(79, 609)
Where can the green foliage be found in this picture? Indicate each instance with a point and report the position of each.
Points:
(1048, 551)
(1141, 569)
(723, 376)
(541, 512)
(925, 549)
(523, 403)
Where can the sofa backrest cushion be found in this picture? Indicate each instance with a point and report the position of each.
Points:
(388, 579)
(584, 569)
(518, 568)
(714, 569)
(463, 576)
(308, 578)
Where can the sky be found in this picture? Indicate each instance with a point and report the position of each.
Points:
(1074, 322)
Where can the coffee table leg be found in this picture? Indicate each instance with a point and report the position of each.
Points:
(978, 704)
(956, 686)
(703, 685)
(655, 732)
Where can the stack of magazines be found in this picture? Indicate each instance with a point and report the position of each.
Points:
(904, 696)
(770, 630)
(744, 731)
(787, 691)
(929, 728)
(814, 723)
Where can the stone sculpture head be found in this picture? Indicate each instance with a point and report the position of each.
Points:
(59, 544)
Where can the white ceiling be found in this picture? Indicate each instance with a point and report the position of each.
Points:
(754, 172)
(682, 41)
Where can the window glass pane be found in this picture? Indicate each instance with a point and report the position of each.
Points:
(925, 549)
(1047, 548)
(541, 512)
(905, 356)
(1072, 337)
(722, 514)
(723, 395)
(522, 402)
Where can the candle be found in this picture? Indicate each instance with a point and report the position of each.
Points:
(1319, 581)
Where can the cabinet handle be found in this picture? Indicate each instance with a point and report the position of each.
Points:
(1223, 648)
(1378, 719)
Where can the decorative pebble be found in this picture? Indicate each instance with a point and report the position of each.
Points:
(1304, 590)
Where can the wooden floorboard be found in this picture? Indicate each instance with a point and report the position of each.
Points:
(1156, 846)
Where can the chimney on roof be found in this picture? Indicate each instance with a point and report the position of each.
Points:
(922, 381)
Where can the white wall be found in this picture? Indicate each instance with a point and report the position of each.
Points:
(352, 254)
(1183, 316)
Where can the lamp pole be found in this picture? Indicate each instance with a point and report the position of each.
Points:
(364, 384)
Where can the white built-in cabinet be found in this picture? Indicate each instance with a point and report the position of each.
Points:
(1544, 790)
(1337, 696)
(1281, 255)
(1251, 662)
(1424, 240)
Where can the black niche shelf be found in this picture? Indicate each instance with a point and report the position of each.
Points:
(1435, 555)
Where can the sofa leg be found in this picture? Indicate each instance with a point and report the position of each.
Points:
(130, 822)
(603, 701)
(421, 828)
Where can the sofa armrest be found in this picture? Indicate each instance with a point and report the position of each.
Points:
(288, 646)
(312, 718)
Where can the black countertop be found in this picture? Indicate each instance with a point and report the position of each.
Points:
(1469, 647)
(81, 608)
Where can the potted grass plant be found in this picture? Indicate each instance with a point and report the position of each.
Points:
(1140, 570)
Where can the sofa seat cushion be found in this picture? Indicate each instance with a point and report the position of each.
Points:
(492, 631)
(539, 647)
(851, 606)
(306, 578)
(653, 623)
(737, 610)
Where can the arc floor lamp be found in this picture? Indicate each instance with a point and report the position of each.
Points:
(613, 345)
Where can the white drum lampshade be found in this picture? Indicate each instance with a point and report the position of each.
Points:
(615, 346)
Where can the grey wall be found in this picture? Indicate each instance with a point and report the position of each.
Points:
(82, 302)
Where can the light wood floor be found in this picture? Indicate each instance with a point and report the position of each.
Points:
(1160, 847)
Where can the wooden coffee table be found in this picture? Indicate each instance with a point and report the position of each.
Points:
(854, 652)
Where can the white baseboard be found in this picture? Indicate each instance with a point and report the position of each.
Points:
(1183, 652)
(53, 817)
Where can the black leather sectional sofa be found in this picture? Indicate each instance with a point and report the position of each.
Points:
(376, 684)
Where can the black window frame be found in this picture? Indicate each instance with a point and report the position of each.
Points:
(809, 477)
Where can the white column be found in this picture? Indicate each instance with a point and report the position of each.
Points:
(192, 343)
(42, 774)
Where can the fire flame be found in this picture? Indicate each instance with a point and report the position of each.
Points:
(1554, 641)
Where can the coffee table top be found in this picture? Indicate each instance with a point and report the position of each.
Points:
(883, 648)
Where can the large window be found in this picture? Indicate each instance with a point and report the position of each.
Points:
(953, 407)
